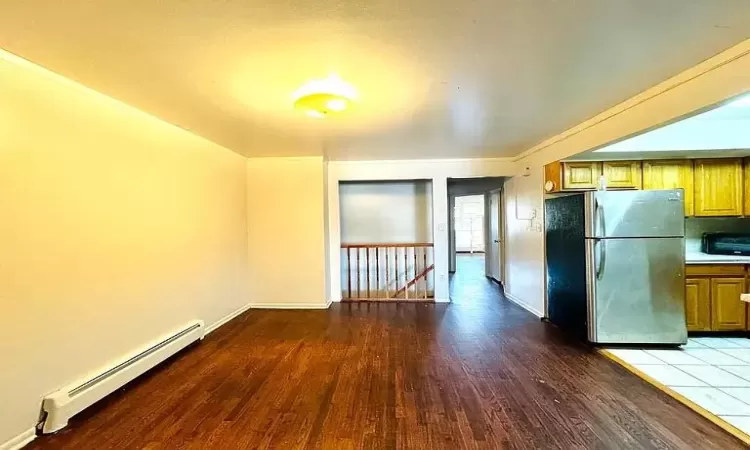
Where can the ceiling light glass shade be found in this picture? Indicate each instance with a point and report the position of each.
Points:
(321, 105)
(320, 98)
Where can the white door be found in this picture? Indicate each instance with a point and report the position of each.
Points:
(495, 236)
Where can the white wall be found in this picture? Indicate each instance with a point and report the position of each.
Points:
(286, 232)
(385, 211)
(524, 241)
(116, 228)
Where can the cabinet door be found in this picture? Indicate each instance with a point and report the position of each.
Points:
(727, 310)
(698, 304)
(623, 174)
(581, 175)
(671, 174)
(718, 187)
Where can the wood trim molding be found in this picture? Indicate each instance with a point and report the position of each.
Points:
(325, 305)
(227, 318)
(389, 245)
(518, 302)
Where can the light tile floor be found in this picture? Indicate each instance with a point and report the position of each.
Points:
(713, 373)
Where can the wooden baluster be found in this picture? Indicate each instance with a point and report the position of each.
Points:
(416, 281)
(387, 275)
(424, 267)
(367, 265)
(395, 266)
(349, 270)
(377, 272)
(359, 294)
(406, 273)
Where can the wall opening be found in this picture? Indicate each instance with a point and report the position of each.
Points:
(386, 240)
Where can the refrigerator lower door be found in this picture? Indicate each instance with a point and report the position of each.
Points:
(636, 291)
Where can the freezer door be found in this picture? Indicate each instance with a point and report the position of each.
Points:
(566, 263)
(615, 214)
(636, 290)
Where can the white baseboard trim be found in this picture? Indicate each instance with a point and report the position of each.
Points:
(326, 305)
(518, 302)
(227, 318)
(20, 440)
(442, 300)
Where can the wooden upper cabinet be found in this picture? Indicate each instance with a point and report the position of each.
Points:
(671, 174)
(698, 304)
(727, 310)
(622, 174)
(553, 177)
(718, 187)
(747, 186)
(581, 175)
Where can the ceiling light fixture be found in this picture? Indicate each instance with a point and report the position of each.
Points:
(320, 98)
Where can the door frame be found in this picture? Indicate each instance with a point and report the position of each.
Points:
(500, 234)
(451, 233)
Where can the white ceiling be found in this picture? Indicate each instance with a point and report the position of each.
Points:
(436, 78)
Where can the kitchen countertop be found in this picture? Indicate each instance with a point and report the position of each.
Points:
(705, 258)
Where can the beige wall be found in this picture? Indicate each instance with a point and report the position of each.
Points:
(286, 232)
(116, 228)
(385, 211)
(524, 241)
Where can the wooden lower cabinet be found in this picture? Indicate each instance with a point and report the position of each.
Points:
(697, 304)
(712, 297)
(728, 312)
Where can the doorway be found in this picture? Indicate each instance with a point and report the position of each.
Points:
(475, 230)
(469, 228)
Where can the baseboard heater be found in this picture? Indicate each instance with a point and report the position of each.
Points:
(61, 405)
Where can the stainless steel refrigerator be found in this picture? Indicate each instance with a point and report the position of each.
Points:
(615, 265)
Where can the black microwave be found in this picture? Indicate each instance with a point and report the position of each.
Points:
(726, 244)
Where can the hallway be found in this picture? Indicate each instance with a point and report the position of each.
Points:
(469, 283)
(477, 373)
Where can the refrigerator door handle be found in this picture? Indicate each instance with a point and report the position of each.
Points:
(600, 243)
(600, 220)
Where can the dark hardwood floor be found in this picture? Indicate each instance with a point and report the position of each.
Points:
(478, 373)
